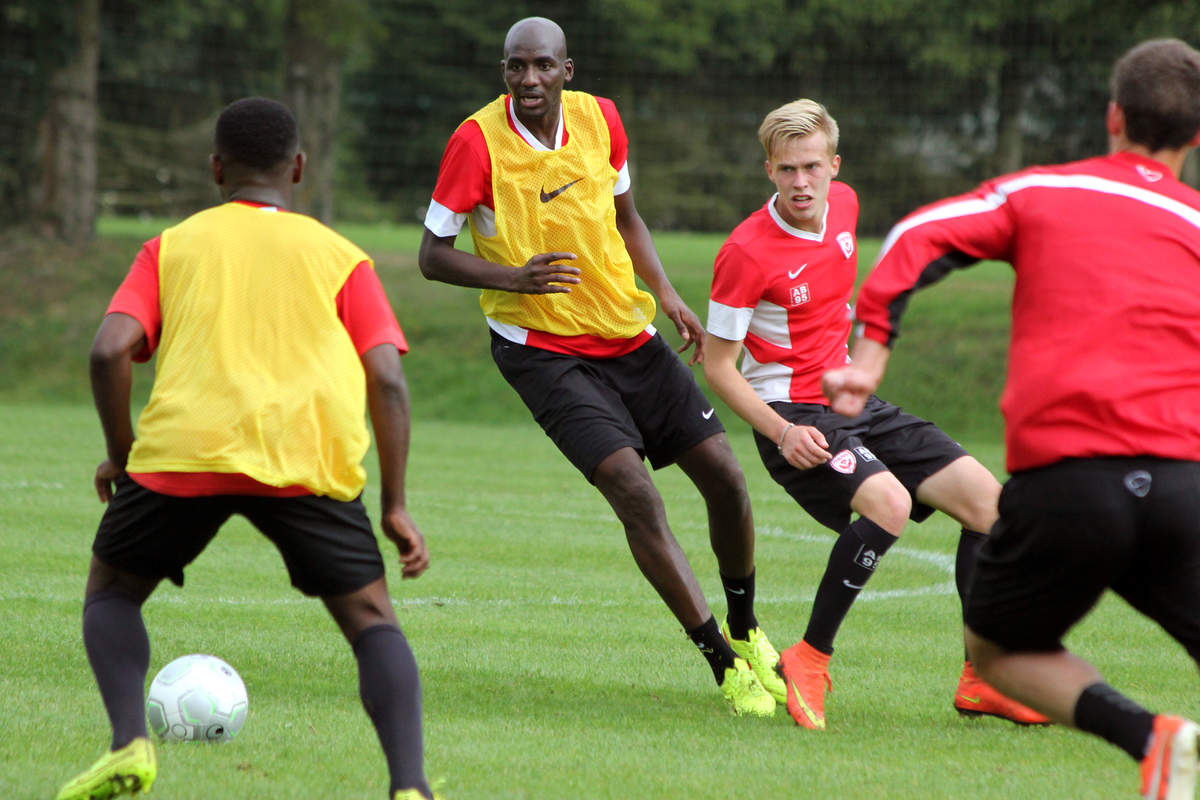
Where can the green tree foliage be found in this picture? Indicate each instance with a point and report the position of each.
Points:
(931, 95)
(167, 69)
(36, 42)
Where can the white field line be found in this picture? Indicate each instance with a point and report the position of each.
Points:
(941, 561)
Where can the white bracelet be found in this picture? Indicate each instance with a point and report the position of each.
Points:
(786, 428)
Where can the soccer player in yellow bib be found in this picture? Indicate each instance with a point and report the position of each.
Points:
(274, 337)
(540, 176)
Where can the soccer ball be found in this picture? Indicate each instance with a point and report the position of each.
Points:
(197, 697)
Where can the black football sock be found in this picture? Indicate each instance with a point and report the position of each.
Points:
(713, 647)
(390, 688)
(739, 597)
(118, 649)
(1105, 712)
(852, 561)
(964, 567)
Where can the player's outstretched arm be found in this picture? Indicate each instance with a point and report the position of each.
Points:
(802, 445)
(849, 387)
(649, 268)
(441, 261)
(110, 365)
(387, 399)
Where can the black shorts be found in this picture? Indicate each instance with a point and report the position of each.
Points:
(1071, 530)
(881, 439)
(592, 407)
(327, 545)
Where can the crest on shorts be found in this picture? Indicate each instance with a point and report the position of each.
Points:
(844, 462)
(846, 240)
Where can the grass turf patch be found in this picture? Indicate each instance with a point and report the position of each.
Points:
(550, 667)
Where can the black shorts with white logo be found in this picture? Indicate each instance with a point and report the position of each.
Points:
(592, 407)
(1070, 530)
(327, 545)
(881, 439)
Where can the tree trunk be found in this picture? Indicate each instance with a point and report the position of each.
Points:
(64, 193)
(1009, 155)
(313, 89)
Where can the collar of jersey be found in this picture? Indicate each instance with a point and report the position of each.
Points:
(529, 138)
(793, 231)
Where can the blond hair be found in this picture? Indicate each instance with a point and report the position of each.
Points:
(798, 118)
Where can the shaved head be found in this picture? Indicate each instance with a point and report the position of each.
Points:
(536, 33)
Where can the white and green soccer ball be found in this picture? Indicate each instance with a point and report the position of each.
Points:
(197, 698)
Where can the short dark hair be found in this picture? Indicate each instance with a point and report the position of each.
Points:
(256, 131)
(1157, 86)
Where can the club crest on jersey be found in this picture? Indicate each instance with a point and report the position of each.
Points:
(1151, 175)
(846, 241)
(799, 295)
(844, 462)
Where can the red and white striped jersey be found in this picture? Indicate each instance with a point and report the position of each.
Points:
(1104, 357)
(784, 293)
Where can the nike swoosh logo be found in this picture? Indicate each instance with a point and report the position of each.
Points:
(850, 585)
(796, 274)
(818, 722)
(971, 699)
(736, 591)
(548, 196)
(707, 414)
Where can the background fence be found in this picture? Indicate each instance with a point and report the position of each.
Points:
(931, 95)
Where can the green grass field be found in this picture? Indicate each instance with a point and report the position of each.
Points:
(550, 667)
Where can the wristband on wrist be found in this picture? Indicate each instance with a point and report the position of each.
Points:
(786, 428)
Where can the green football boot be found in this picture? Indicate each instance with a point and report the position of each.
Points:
(761, 657)
(130, 770)
(745, 691)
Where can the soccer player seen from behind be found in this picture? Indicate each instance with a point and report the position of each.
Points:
(540, 176)
(273, 337)
(780, 293)
(1101, 407)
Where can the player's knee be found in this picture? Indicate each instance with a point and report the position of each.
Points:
(717, 474)
(362, 609)
(886, 503)
(629, 490)
(726, 491)
(972, 497)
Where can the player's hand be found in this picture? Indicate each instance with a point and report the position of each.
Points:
(687, 324)
(106, 473)
(399, 527)
(540, 276)
(805, 447)
(848, 389)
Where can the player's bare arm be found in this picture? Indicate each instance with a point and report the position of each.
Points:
(542, 274)
(849, 387)
(803, 446)
(649, 268)
(387, 399)
(111, 365)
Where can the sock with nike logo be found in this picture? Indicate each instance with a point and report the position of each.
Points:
(713, 647)
(851, 562)
(739, 597)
